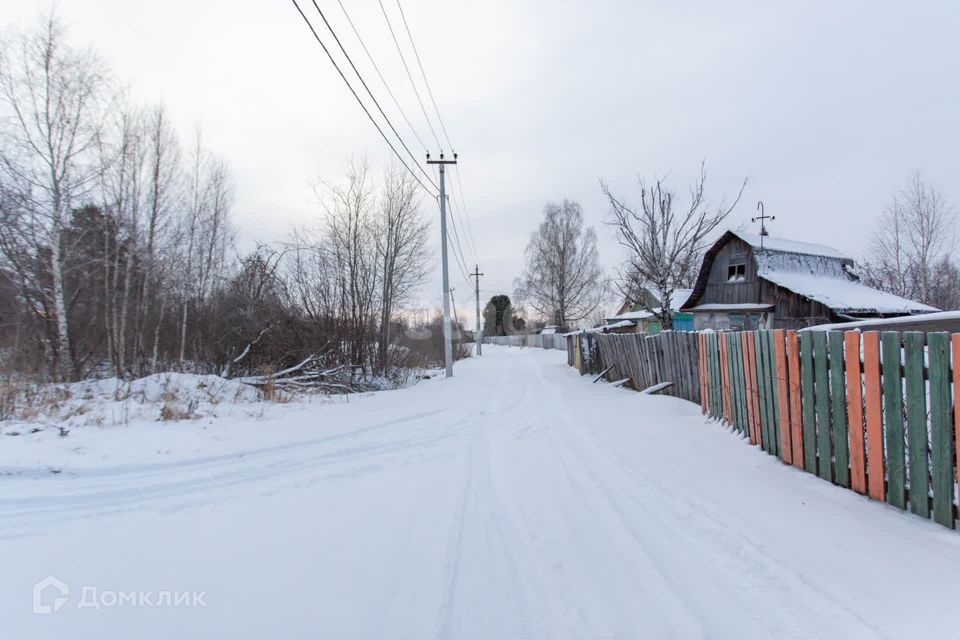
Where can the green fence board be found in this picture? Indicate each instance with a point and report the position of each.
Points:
(940, 454)
(732, 381)
(742, 384)
(711, 359)
(838, 405)
(764, 391)
(822, 404)
(916, 401)
(774, 393)
(893, 418)
(808, 412)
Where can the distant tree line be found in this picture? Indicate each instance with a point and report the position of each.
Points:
(117, 253)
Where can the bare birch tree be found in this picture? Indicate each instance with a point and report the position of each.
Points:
(52, 100)
(401, 240)
(914, 238)
(351, 248)
(563, 281)
(664, 241)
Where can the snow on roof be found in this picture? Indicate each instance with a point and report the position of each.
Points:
(918, 321)
(677, 299)
(643, 314)
(737, 306)
(839, 294)
(789, 246)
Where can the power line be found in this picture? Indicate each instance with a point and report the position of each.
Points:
(357, 97)
(424, 74)
(382, 79)
(466, 215)
(460, 208)
(409, 75)
(370, 93)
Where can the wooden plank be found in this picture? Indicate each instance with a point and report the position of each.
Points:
(916, 405)
(774, 408)
(796, 404)
(956, 401)
(822, 393)
(783, 394)
(702, 352)
(757, 390)
(747, 388)
(762, 379)
(656, 388)
(858, 468)
(732, 341)
(711, 387)
(722, 366)
(808, 410)
(890, 352)
(742, 384)
(941, 456)
(754, 382)
(838, 406)
(752, 392)
(876, 487)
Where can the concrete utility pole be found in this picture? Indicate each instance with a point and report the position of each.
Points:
(477, 336)
(447, 337)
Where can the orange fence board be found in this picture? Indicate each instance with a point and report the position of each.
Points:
(858, 473)
(873, 394)
(783, 397)
(956, 399)
(796, 406)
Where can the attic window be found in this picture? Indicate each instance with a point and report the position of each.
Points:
(736, 272)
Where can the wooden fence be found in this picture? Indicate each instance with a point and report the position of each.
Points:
(646, 361)
(871, 411)
(537, 340)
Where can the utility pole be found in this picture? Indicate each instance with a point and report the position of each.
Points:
(453, 303)
(477, 336)
(447, 337)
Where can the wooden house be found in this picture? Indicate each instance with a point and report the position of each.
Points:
(634, 317)
(744, 285)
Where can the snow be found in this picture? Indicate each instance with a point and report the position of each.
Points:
(633, 315)
(677, 300)
(919, 321)
(515, 500)
(789, 246)
(731, 306)
(845, 296)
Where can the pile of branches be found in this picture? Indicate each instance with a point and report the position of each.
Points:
(309, 375)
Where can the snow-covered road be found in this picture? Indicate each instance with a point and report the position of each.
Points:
(516, 500)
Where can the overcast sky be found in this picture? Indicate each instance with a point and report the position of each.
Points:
(827, 106)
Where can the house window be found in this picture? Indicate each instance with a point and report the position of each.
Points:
(737, 272)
